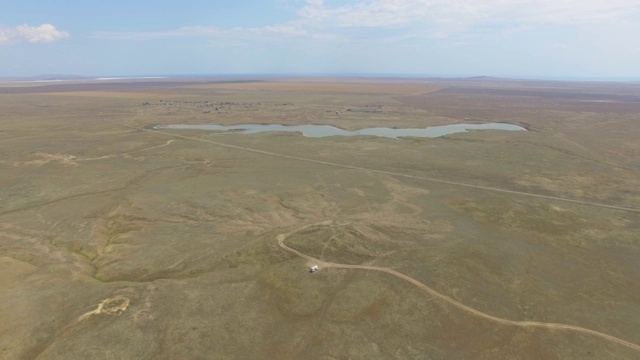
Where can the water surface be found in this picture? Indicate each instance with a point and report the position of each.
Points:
(318, 131)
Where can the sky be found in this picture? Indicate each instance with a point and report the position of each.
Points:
(507, 38)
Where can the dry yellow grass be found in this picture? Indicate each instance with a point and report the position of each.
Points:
(349, 87)
(175, 236)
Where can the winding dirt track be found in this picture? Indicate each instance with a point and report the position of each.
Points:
(413, 281)
(345, 166)
(323, 264)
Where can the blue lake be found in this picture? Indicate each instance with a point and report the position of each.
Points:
(318, 131)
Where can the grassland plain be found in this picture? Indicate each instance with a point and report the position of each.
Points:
(121, 243)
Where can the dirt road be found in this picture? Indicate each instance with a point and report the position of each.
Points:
(353, 167)
(323, 264)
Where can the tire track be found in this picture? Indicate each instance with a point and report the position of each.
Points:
(323, 264)
(353, 167)
(409, 279)
(129, 183)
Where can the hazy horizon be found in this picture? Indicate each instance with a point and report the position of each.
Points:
(261, 76)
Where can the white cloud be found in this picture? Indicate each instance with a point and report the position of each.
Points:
(467, 13)
(153, 35)
(436, 19)
(284, 29)
(274, 31)
(441, 19)
(44, 33)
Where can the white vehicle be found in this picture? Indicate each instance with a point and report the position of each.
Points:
(314, 268)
